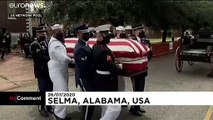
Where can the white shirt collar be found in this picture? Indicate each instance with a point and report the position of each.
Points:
(138, 38)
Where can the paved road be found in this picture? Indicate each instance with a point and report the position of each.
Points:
(15, 71)
(162, 77)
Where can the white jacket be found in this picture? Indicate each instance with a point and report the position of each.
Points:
(58, 65)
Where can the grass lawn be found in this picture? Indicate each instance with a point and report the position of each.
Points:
(154, 40)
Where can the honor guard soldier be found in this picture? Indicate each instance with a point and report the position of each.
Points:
(140, 36)
(139, 33)
(138, 81)
(106, 78)
(84, 74)
(128, 30)
(120, 32)
(39, 51)
(58, 67)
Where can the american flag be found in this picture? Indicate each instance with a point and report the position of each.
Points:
(131, 53)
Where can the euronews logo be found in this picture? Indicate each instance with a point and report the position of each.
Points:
(38, 5)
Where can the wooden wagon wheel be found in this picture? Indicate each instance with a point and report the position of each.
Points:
(178, 61)
(191, 62)
(211, 62)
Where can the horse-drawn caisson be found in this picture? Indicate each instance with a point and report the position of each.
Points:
(197, 48)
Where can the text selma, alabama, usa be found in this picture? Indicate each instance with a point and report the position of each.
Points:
(129, 98)
(93, 98)
(97, 101)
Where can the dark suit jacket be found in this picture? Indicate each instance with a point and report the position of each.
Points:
(84, 67)
(40, 56)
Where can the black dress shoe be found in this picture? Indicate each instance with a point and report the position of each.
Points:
(142, 110)
(58, 118)
(135, 112)
(43, 113)
(50, 109)
(68, 118)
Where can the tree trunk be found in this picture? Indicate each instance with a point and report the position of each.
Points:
(164, 34)
(182, 30)
(121, 21)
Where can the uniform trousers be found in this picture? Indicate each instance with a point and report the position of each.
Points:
(60, 83)
(86, 111)
(110, 112)
(121, 83)
(44, 85)
(138, 83)
(106, 83)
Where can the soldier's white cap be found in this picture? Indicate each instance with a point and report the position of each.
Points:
(82, 28)
(102, 28)
(41, 29)
(120, 28)
(91, 28)
(128, 27)
(139, 27)
(57, 26)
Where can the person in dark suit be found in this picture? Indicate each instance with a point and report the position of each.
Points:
(8, 42)
(39, 51)
(187, 38)
(27, 41)
(7, 38)
(2, 45)
(84, 74)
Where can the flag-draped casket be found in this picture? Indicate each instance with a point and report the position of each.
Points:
(131, 53)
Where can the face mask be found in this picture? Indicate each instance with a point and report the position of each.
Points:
(42, 38)
(106, 37)
(122, 35)
(60, 36)
(105, 40)
(85, 36)
(141, 34)
(91, 34)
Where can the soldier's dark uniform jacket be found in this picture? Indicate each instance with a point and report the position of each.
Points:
(39, 51)
(138, 81)
(106, 69)
(84, 74)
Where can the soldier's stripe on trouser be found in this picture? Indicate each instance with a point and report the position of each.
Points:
(82, 85)
(87, 107)
(86, 112)
(133, 84)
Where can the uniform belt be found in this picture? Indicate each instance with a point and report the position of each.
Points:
(103, 72)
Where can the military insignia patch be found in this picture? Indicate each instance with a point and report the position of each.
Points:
(84, 58)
